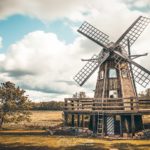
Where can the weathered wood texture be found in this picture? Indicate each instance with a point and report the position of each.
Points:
(105, 83)
(107, 104)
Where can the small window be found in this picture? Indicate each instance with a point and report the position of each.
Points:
(112, 73)
(113, 94)
(124, 73)
(102, 74)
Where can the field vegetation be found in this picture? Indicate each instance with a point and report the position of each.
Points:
(38, 120)
(34, 136)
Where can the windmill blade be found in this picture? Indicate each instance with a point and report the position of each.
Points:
(94, 34)
(141, 74)
(133, 32)
(84, 74)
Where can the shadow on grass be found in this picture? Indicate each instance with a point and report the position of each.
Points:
(127, 146)
(88, 146)
(18, 146)
(85, 146)
(24, 133)
(23, 147)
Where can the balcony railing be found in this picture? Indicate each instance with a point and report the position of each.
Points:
(107, 104)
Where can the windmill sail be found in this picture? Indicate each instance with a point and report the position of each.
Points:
(133, 32)
(84, 74)
(94, 34)
(141, 74)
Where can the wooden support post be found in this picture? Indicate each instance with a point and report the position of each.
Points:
(78, 120)
(121, 126)
(94, 124)
(72, 120)
(83, 125)
(103, 125)
(65, 119)
(132, 125)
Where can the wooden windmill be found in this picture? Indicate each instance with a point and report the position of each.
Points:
(118, 71)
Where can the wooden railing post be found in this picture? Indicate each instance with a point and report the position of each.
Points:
(131, 101)
(72, 104)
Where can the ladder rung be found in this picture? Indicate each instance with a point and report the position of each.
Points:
(99, 129)
(100, 124)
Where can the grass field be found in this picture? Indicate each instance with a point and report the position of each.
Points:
(68, 143)
(20, 139)
(39, 120)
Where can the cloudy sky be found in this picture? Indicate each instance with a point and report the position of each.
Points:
(41, 51)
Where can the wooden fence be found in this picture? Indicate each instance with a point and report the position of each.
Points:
(105, 104)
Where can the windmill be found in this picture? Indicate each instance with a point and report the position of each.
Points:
(118, 71)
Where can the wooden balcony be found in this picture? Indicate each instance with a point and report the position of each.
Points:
(107, 105)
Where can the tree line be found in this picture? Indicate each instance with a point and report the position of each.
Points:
(52, 105)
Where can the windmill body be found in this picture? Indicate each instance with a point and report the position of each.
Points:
(115, 104)
(114, 82)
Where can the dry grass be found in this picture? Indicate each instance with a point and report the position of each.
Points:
(39, 120)
(40, 140)
(38, 116)
(68, 143)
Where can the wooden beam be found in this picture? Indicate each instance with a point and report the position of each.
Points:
(65, 119)
(94, 123)
(121, 126)
(132, 125)
(78, 120)
(83, 123)
(103, 125)
(72, 120)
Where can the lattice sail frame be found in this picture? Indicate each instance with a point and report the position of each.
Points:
(133, 32)
(140, 76)
(94, 34)
(83, 75)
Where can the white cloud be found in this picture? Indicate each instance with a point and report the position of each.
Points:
(139, 3)
(41, 62)
(74, 10)
(45, 9)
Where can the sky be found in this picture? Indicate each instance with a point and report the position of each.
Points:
(41, 50)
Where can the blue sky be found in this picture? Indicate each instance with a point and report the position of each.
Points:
(15, 27)
(41, 49)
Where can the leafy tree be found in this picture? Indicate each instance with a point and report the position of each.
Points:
(14, 105)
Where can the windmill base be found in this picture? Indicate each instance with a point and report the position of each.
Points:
(123, 125)
(117, 124)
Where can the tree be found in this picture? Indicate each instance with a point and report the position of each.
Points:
(14, 105)
(79, 95)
